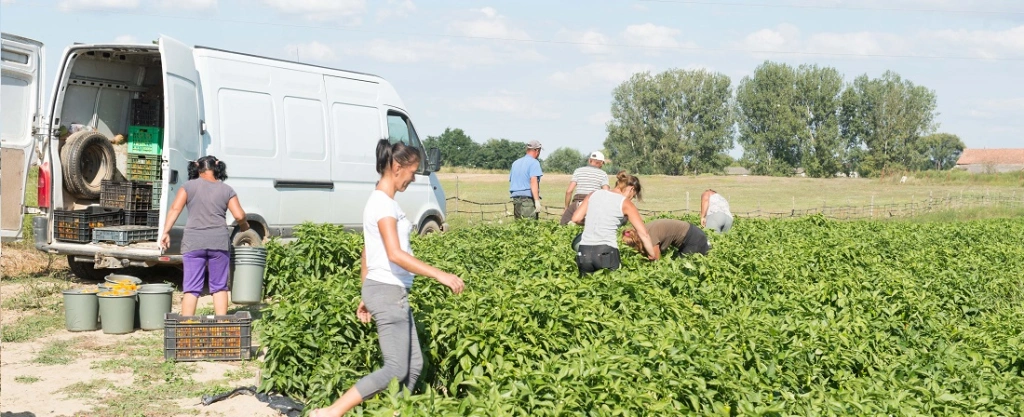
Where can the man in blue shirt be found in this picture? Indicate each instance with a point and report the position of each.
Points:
(524, 183)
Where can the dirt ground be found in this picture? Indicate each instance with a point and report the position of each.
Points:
(62, 373)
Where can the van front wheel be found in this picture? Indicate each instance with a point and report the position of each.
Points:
(430, 226)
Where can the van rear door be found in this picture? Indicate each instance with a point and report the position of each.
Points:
(183, 130)
(21, 103)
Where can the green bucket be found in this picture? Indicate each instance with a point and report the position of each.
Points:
(81, 310)
(154, 303)
(247, 283)
(114, 278)
(117, 313)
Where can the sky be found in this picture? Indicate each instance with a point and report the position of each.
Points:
(545, 70)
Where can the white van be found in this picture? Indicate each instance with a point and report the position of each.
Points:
(298, 140)
(21, 63)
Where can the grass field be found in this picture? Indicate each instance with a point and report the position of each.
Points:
(748, 194)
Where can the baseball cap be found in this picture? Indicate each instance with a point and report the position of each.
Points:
(533, 144)
(597, 156)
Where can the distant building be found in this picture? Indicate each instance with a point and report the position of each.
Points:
(736, 171)
(979, 161)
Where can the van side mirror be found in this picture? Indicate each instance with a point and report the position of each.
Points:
(434, 160)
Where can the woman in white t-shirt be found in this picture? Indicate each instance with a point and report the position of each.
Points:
(388, 267)
(714, 212)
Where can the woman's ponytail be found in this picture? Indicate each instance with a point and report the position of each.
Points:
(398, 152)
(383, 155)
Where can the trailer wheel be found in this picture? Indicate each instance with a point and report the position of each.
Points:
(85, 271)
(87, 158)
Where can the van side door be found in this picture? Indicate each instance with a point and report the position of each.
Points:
(21, 91)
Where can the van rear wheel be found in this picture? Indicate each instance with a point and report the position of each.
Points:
(87, 159)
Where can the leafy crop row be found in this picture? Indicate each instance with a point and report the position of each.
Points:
(802, 317)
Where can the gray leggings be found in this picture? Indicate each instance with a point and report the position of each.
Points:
(719, 222)
(396, 329)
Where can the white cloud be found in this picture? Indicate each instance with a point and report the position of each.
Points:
(396, 8)
(6, 1)
(600, 118)
(188, 5)
(652, 36)
(512, 104)
(590, 41)
(487, 24)
(310, 52)
(320, 10)
(599, 74)
(980, 43)
(126, 39)
(1003, 108)
(445, 51)
(948, 42)
(74, 5)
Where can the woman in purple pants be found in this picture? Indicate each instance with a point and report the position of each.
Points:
(205, 243)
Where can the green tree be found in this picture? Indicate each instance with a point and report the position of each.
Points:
(457, 148)
(789, 118)
(940, 150)
(675, 122)
(770, 120)
(888, 115)
(499, 154)
(823, 151)
(563, 160)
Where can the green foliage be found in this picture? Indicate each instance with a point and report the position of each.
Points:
(564, 160)
(784, 317)
(499, 154)
(887, 115)
(939, 151)
(675, 122)
(789, 118)
(457, 148)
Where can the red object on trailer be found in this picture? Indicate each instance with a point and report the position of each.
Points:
(43, 184)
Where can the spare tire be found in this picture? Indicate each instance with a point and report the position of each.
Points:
(87, 158)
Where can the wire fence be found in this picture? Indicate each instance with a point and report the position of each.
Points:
(496, 211)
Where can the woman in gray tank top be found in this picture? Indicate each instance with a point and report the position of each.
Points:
(603, 212)
(206, 240)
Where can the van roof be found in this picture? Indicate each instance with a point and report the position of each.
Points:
(287, 61)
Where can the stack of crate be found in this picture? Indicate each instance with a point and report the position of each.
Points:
(133, 200)
(145, 143)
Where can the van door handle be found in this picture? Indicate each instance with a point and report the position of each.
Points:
(174, 177)
(202, 127)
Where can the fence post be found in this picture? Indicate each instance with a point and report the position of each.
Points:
(456, 193)
(872, 206)
(687, 202)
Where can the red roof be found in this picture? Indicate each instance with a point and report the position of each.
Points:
(991, 156)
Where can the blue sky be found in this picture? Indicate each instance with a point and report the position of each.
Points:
(545, 70)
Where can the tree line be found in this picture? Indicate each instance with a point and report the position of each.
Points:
(683, 122)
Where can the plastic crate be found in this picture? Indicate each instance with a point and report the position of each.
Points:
(146, 110)
(153, 218)
(145, 140)
(123, 235)
(157, 186)
(143, 167)
(77, 225)
(136, 218)
(131, 195)
(208, 338)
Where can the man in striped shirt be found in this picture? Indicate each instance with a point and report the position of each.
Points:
(585, 180)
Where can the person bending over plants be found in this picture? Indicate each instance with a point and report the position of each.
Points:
(603, 211)
(684, 236)
(388, 267)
